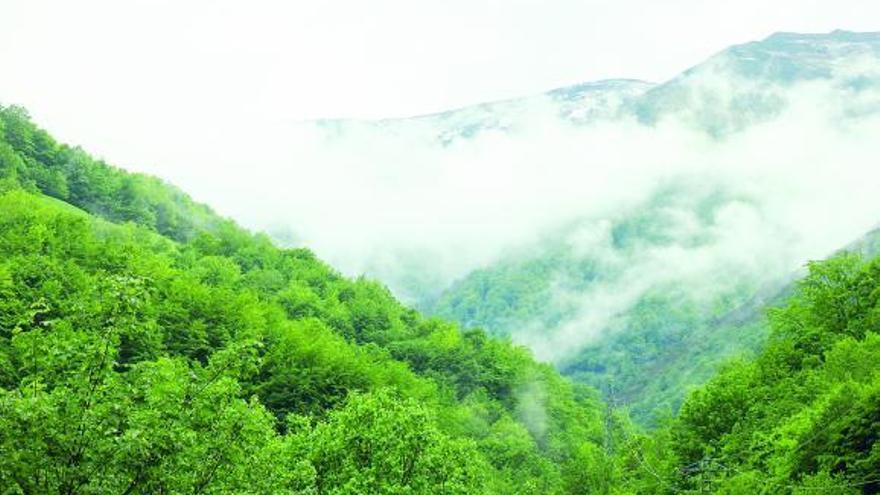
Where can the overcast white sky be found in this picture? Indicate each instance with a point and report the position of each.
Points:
(123, 60)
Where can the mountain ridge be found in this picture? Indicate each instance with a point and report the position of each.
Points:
(637, 98)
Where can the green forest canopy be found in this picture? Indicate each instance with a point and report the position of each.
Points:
(149, 346)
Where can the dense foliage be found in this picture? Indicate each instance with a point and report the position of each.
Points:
(805, 415)
(30, 157)
(802, 417)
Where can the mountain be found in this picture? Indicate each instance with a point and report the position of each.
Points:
(148, 345)
(578, 104)
(643, 299)
(740, 86)
(751, 83)
(669, 337)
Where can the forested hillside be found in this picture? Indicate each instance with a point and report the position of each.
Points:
(656, 336)
(149, 346)
(804, 417)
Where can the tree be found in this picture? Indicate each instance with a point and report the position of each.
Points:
(379, 444)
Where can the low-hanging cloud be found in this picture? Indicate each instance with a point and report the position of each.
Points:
(397, 201)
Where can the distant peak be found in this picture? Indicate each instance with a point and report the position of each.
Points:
(836, 35)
